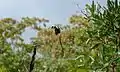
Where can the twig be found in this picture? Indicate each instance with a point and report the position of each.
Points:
(62, 51)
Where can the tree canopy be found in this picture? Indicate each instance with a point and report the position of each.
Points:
(91, 43)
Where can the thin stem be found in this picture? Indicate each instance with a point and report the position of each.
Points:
(62, 51)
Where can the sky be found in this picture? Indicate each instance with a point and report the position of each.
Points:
(57, 11)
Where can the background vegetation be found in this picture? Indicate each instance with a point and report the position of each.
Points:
(90, 44)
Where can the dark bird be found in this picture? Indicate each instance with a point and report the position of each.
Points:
(57, 30)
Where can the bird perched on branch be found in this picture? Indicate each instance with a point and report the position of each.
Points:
(57, 31)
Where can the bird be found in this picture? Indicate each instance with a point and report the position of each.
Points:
(57, 30)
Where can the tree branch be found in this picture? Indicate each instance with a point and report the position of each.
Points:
(62, 51)
(33, 59)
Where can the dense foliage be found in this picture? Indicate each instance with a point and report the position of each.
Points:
(90, 44)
